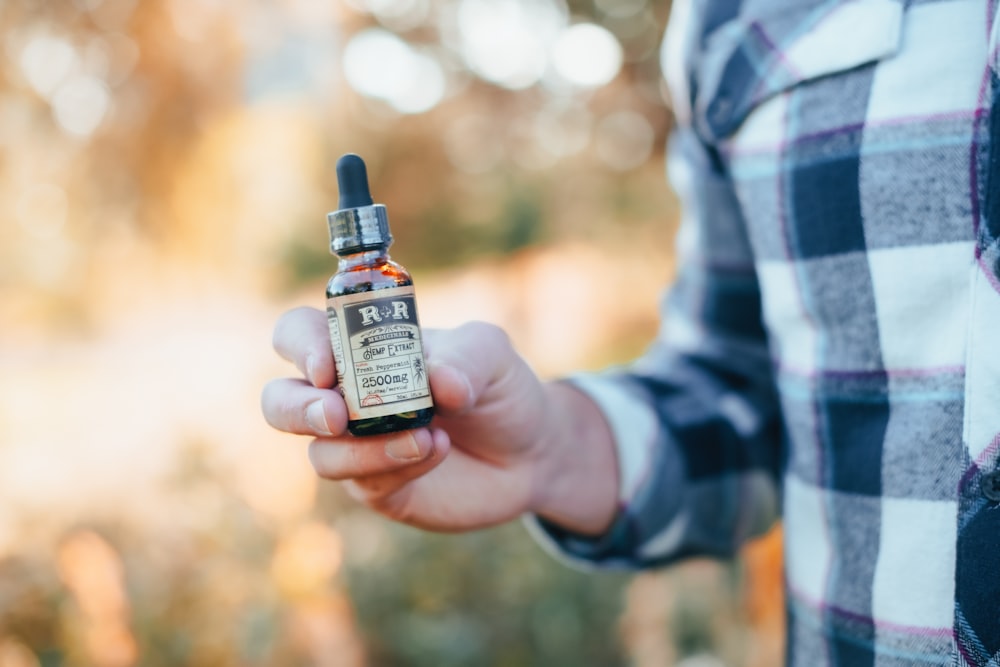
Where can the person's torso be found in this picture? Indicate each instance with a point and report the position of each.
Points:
(857, 136)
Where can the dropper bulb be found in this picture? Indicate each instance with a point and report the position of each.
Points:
(352, 181)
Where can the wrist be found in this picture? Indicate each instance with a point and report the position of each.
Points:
(575, 483)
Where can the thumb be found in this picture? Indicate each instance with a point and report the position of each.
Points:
(465, 362)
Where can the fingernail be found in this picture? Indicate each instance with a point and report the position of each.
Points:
(311, 369)
(403, 447)
(439, 367)
(316, 418)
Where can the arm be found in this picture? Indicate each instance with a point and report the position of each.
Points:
(696, 420)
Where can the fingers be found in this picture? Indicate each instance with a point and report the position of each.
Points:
(382, 471)
(302, 336)
(400, 456)
(296, 406)
(380, 464)
(396, 493)
(462, 362)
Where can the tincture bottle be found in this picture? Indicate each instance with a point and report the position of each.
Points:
(381, 370)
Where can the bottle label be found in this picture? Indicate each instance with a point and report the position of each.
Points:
(380, 360)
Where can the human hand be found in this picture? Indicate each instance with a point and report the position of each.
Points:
(497, 447)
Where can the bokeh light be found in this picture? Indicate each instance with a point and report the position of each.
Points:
(379, 64)
(563, 129)
(46, 61)
(396, 15)
(587, 55)
(507, 41)
(307, 560)
(80, 105)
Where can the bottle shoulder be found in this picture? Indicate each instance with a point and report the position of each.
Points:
(368, 277)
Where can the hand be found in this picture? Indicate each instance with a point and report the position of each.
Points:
(502, 443)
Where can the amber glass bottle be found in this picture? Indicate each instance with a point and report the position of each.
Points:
(374, 332)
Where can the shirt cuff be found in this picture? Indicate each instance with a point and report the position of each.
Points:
(634, 428)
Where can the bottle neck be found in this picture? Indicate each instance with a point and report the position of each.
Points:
(348, 260)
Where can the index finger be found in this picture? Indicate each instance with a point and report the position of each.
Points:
(302, 336)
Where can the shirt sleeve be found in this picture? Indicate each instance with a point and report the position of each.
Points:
(696, 420)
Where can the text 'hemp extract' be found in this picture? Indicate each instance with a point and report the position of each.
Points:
(381, 371)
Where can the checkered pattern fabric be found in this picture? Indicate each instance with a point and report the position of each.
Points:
(831, 351)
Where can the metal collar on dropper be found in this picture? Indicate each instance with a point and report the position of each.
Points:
(358, 222)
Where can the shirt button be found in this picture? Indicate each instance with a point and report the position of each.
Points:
(991, 485)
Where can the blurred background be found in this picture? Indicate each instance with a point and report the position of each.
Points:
(165, 171)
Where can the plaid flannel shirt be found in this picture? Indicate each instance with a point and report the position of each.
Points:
(830, 353)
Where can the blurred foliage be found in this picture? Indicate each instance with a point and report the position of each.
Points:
(189, 150)
(213, 594)
(483, 599)
(488, 599)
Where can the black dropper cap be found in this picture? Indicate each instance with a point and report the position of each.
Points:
(358, 222)
(352, 181)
